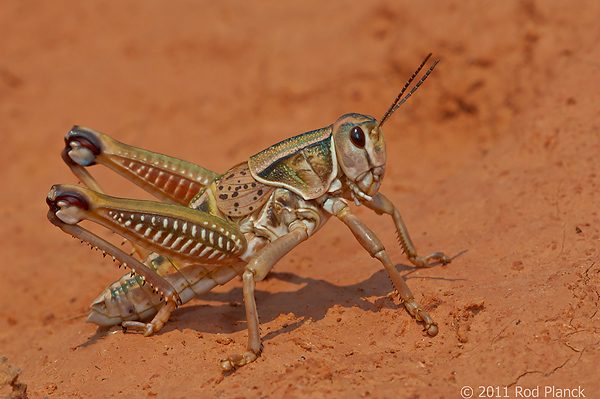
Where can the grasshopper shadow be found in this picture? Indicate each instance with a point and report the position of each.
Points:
(230, 316)
(311, 301)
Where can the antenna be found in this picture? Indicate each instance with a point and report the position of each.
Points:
(399, 100)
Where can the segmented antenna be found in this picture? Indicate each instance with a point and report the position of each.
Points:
(399, 101)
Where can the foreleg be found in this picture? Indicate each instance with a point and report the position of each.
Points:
(375, 248)
(380, 204)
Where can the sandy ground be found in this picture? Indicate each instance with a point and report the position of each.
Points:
(494, 161)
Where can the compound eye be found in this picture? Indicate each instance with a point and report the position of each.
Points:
(357, 136)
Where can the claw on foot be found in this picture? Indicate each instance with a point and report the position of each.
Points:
(432, 329)
(157, 323)
(417, 312)
(148, 328)
(439, 256)
(233, 361)
(419, 261)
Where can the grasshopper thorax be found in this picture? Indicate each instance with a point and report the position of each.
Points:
(360, 149)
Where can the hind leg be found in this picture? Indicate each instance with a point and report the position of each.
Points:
(167, 178)
(157, 322)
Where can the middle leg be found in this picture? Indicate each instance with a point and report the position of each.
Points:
(255, 271)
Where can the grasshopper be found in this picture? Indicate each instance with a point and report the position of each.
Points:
(210, 228)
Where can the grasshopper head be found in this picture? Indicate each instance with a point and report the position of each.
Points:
(360, 145)
(360, 149)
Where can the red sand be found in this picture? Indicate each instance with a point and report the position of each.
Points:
(494, 161)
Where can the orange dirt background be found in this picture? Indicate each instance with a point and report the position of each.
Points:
(494, 161)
